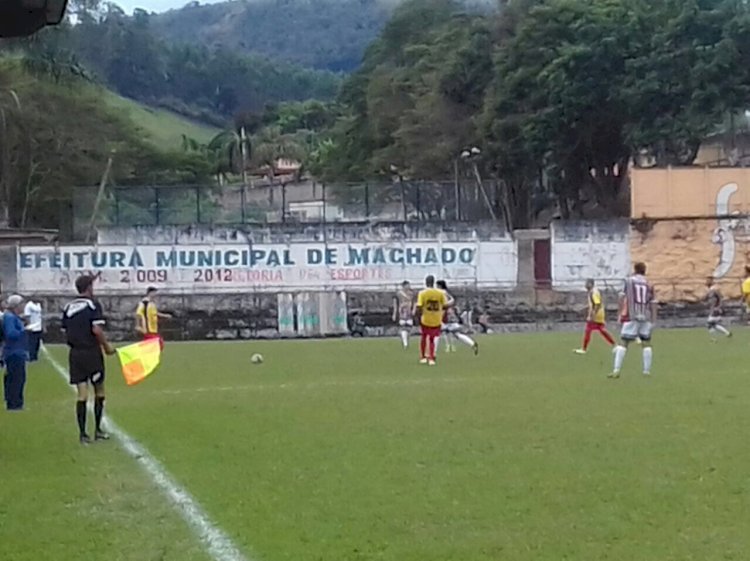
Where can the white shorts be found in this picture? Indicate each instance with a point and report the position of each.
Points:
(714, 320)
(451, 327)
(406, 323)
(632, 330)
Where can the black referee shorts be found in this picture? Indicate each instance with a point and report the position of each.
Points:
(86, 365)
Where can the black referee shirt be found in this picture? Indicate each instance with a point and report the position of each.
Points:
(79, 318)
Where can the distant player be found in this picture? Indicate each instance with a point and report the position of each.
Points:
(715, 312)
(83, 323)
(639, 303)
(147, 317)
(431, 304)
(595, 318)
(746, 291)
(403, 311)
(452, 324)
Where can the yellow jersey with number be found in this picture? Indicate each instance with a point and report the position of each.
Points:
(147, 310)
(596, 307)
(746, 291)
(432, 302)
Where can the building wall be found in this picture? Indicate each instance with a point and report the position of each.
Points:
(502, 279)
(691, 224)
(589, 250)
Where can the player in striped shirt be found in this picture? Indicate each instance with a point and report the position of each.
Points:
(595, 320)
(715, 311)
(403, 311)
(639, 303)
(452, 324)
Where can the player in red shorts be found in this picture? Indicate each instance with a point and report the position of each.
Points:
(147, 317)
(431, 303)
(595, 319)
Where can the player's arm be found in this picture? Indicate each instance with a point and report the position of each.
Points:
(140, 319)
(97, 328)
(419, 305)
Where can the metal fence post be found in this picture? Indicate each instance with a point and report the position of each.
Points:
(243, 203)
(283, 202)
(198, 203)
(157, 208)
(117, 207)
(323, 194)
(367, 200)
(419, 202)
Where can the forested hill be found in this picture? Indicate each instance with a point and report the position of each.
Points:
(325, 34)
(322, 34)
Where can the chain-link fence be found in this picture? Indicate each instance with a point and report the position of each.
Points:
(305, 201)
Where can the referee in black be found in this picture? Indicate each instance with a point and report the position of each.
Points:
(83, 323)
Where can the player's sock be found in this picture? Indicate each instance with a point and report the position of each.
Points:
(405, 337)
(619, 358)
(648, 357)
(586, 339)
(98, 412)
(607, 337)
(723, 330)
(433, 346)
(423, 345)
(465, 339)
(81, 416)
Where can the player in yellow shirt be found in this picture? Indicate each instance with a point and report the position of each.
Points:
(746, 290)
(147, 317)
(595, 319)
(431, 304)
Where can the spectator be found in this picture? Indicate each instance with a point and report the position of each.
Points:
(15, 353)
(358, 327)
(484, 321)
(32, 313)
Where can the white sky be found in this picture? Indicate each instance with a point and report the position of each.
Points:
(156, 5)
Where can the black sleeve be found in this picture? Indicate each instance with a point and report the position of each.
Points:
(64, 320)
(97, 315)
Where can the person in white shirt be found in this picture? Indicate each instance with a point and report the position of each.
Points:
(32, 313)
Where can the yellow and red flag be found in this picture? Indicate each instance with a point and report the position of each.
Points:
(139, 360)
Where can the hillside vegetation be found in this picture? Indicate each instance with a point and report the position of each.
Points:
(323, 34)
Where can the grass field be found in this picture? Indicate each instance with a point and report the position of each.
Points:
(162, 127)
(350, 450)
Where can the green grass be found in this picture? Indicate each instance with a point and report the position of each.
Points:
(162, 127)
(349, 450)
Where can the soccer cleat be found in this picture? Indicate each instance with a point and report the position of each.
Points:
(476, 348)
(579, 352)
(101, 435)
(423, 361)
(84, 439)
(647, 374)
(431, 363)
(613, 375)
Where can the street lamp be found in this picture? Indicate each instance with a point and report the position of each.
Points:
(20, 18)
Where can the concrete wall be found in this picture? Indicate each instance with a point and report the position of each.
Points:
(675, 250)
(583, 250)
(689, 224)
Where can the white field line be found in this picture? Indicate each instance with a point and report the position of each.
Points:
(217, 544)
(305, 386)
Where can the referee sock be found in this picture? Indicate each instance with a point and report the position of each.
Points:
(81, 415)
(98, 412)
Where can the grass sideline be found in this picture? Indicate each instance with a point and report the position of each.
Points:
(350, 450)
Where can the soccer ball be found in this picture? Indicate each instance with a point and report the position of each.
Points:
(257, 358)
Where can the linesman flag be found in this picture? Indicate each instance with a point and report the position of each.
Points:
(139, 360)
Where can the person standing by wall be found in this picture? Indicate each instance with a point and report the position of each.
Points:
(15, 353)
(147, 317)
(32, 313)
